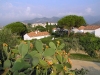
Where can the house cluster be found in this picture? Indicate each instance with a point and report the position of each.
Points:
(94, 29)
(42, 24)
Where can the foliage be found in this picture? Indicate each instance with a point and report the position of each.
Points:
(6, 36)
(90, 44)
(38, 59)
(29, 27)
(40, 28)
(84, 57)
(17, 27)
(71, 21)
(49, 27)
(81, 71)
(72, 43)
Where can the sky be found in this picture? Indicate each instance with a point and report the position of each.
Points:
(19, 10)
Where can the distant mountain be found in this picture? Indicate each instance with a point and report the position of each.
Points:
(89, 20)
(42, 20)
(96, 23)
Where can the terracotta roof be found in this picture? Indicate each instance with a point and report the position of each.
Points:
(31, 34)
(91, 27)
(81, 27)
(54, 29)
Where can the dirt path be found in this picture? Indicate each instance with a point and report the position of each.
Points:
(93, 67)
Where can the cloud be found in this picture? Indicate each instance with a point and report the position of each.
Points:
(88, 10)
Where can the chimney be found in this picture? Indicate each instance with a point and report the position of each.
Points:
(36, 32)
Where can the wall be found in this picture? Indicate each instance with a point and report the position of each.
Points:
(97, 32)
(26, 37)
(89, 31)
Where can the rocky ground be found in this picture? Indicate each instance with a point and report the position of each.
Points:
(93, 67)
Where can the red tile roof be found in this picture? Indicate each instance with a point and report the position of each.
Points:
(89, 27)
(81, 27)
(34, 34)
(54, 29)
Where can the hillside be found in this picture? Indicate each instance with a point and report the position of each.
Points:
(89, 19)
(96, 23)
(42, 20)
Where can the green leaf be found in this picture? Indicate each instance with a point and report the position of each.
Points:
(14, 50)
(61, 46)
(64, 59)
(53, 73)
(52, 45)
(16, 73)
(59, 67)
(27, 65)
(32, 53)
(20, 48)
(59, 57)
(28, 42)
(38, 55)
(18, 65)
(7, 63)
(49, 52)
(39, 46)
(24, 50)
(35, 61)
(43, 63)
(68, 65)
(22, 73)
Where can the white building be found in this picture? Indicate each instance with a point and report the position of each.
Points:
(42, 24)
(94, 29)
(35, 35)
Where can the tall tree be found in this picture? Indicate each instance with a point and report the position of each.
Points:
(18, 28)
(71, 21)
(40, 28)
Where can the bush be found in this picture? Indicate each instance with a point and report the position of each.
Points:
(90, 44)
(37, 59)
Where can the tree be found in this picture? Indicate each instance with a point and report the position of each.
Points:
(17, 27)
(90, 43)
(71, 21)
(7, 37)
(29, 27)
(40, 28)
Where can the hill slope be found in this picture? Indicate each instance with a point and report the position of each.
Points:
(42, 20)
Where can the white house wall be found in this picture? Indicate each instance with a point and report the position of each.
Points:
(89, 31)
(75, 30)
(97, 32)
(39, 37)
(26, 37)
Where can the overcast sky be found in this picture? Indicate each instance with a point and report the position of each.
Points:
(19, 10)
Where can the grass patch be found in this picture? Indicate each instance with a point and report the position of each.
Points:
(84, 57)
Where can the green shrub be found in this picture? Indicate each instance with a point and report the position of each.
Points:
(35, 59)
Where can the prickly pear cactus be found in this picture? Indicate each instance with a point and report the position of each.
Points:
(39, 59)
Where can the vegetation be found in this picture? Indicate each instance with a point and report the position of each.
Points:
(17, 27)
(71, 21)
(40, 28)
(90, 43)
(84, 57)
(39, 60)
(6, 36)
(46, 58)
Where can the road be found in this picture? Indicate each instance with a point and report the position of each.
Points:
(93, 67)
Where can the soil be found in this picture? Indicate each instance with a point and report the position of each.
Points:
(92, 67)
